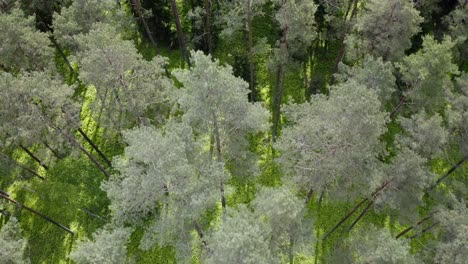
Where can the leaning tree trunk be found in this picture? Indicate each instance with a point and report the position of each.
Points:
(6, 197)
(219, 158)
(34, 157)
(138, 8)
(95, 147)
(251, 52)
(208, 26)
(180, 33)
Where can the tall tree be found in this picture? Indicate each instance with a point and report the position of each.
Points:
(13, 245)
(239, 15)
(23, 47)
(79, 17)
(241, 239)
(427, 74)
(106, 246)
(297, 34)
(214, 103)
(126, 85)
(384, 29)
(333, 141)
(167, 179)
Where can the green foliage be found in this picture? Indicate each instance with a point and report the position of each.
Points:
(13, 245)
(333, 141)
(23, 47)
(427, 74)
(376, 245)
(213, 96)
(384, 29)
(127, 86)
(107, 247)
(425, 134)
(79, 18)
(242, 239)
(374, 74)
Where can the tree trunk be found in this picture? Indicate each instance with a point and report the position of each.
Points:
(180, 33)
(459, 163)
(375, 195)
(219, 158)
(22, 166)
(208, 26)
(55, 152)
(251, 52)
(78, 145)
(62, 54)
(85, 136)
(406, 230)
(34, 157)
(199, 232)
(137, 7)
(348, 215)
(279, 100)
(37, 213)
(344, 218)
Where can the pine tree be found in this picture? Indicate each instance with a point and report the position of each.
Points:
(427, 74)
(106, 247)
(333, 141)
(384, 29)
(127, 86)
(242, 239)
(374, 245)
(166, 178)
(79, 18)
(13, 245)
(214, 103)
(23, 47)
(374, 73)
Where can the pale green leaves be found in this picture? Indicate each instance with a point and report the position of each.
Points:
(407, 178)
(424, 134)
(212, 94)
(80, 16)
(298, 29)
(22, 46)
(126, 84)
(106, 247)
(12, 245)
(242, 239)
(384, 30)
(334, 140)
(427, 74)
(374, 73)
(377, 246)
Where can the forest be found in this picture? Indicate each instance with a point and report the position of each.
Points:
(234, 131)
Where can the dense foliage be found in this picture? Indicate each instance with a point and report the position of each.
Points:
(233, 131)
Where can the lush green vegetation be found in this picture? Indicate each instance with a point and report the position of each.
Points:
(242, 131)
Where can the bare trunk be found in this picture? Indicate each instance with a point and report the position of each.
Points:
(219, 158)
(180, 33)
(78, 145)
(251, 53)
(22, 166)
(137, 6)
(34, 157)
(412, 227)
(277, 113)
(348, 215)
(85, 136)
(454, 167)
(208, 26)
(199, 232)
(62, 54)
(2, 195)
